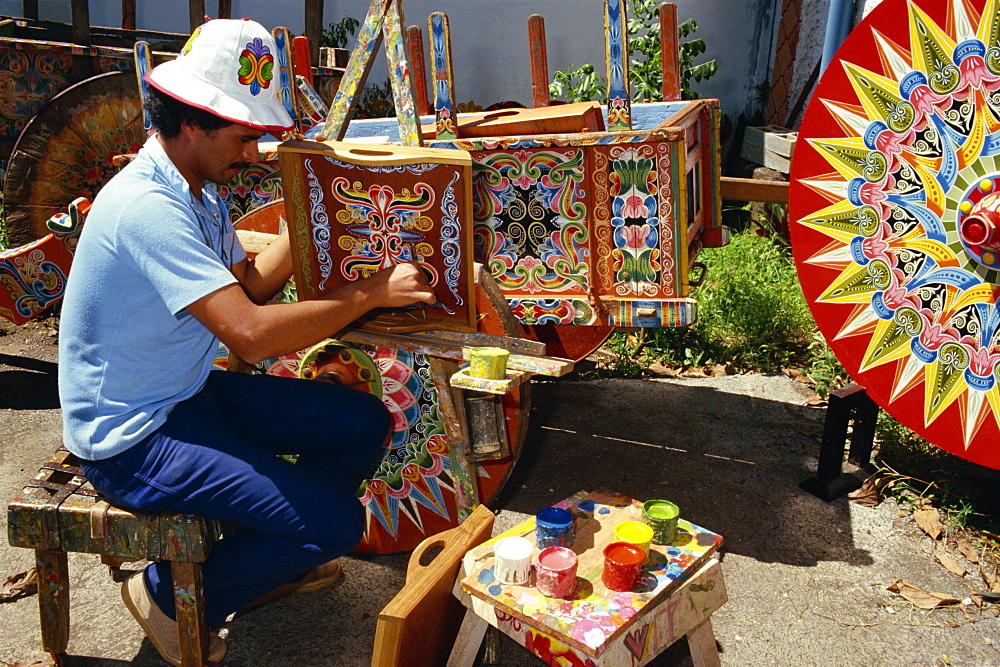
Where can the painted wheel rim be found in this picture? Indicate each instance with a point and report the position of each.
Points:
(892, 201)
(410, 494)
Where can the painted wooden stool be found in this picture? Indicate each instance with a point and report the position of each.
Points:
(59, 512)
(680, 588)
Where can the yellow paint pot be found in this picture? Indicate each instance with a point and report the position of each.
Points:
(489, 363)
(635, 532)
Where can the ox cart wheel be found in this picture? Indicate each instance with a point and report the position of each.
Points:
(66, 151)
(895, 200)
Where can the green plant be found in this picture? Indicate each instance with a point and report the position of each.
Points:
(578, 84)
(337, 34)
(823, 368)
(376, 101)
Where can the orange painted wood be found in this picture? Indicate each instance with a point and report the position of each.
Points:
(561, 119)
(418, 68)
(539, 56)
(669, 47)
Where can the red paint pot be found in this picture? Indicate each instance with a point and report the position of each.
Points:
(555, 572)
(622, 566)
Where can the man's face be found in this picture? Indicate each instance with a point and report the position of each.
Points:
(221, 154)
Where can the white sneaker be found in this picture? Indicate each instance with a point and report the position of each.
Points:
(158, 627)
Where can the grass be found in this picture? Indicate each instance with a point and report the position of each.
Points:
(751, 315)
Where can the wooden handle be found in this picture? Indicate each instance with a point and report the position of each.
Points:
(414, 566)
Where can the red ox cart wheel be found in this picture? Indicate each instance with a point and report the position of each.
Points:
(894, 203)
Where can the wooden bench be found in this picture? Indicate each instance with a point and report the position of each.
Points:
(60, 512)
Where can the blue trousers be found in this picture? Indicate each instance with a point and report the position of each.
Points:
(216, 456)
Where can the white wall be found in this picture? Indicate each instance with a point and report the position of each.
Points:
(489, 37)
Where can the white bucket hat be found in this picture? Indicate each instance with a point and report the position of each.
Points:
(227, 67)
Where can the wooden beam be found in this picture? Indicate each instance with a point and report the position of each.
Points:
(81, 22)
(538, 53)
(314, 28)
(29, 9)
(670, 49)
(418, 68)
(750, 189)
(225, 9)
(196, 13)
(128, 14)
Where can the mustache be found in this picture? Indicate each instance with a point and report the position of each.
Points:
(240, 165)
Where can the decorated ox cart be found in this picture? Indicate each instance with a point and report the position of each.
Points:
(541, 230)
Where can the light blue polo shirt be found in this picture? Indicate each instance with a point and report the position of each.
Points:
(128, 349)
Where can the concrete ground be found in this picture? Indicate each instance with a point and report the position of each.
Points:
(807, 579)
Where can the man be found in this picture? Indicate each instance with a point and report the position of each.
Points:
(158, 279)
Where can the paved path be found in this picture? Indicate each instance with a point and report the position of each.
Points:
(807, 579)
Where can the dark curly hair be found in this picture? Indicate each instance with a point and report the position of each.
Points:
(167, 114)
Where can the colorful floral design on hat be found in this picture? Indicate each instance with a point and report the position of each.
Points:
(190, 42)
(256, 65)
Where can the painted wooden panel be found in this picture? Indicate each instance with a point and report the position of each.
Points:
(355, 209)
(595, 228)
(596, 623)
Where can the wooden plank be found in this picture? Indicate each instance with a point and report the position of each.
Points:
(701, 644)
(538, 54)
(418, 68)
(462, 380)
(551, 366)
(453, 413)
(128, 14)
(669, 48)
(777, 139)
(225, 9)
(348, 92)
(143, 63)
(53, 599)
(559, 119)
(441, 76)
(196, 13)
(418, 626)
(286, 84)
(189, 607)
(81, 22)
(469, 639)
(762, 156)
(302, 60)
(314, 27)
(399, 75)
(749, 189)
(616, 58)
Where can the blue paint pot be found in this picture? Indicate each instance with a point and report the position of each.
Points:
(554, 528)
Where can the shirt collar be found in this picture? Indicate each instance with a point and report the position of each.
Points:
(154, 150)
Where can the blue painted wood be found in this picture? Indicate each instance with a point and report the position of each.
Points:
(441, 75)
(143, 63)
(616, 42)
(282, 40)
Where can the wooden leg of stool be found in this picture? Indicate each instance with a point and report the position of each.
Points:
(189, 605)
(701, 643)
(53, 599)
